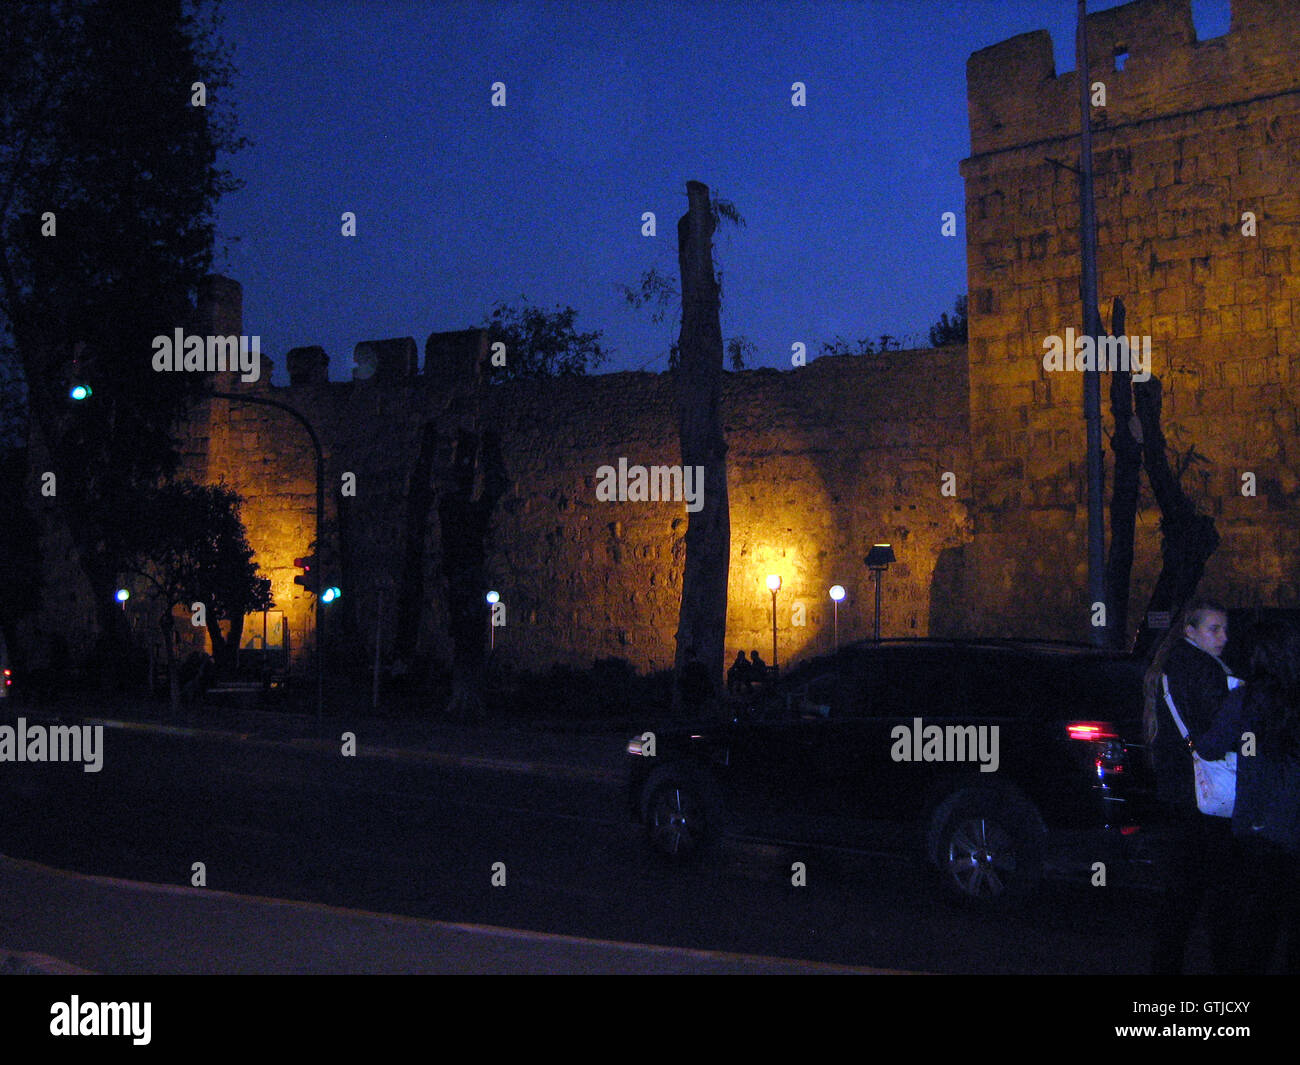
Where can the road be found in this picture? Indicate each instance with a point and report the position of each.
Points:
(401, 837)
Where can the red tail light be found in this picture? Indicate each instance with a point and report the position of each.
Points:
(1091, 730)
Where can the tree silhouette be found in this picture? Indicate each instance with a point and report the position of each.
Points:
(108, 184)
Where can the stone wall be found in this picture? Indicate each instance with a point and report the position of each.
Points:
(1192, 136)
(824, 460)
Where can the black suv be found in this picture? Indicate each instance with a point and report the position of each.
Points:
(995, 760)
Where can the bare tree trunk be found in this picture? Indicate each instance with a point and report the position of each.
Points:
(409, 608)
(1188, 538)
(1124, 493)
(702, 622)
(466, 523)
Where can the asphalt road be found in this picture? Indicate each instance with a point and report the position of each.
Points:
(420, 840)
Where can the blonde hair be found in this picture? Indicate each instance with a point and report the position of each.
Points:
(1191, 615)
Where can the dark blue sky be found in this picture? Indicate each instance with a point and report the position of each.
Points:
(384, 109)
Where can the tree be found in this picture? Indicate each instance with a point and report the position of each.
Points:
(659, 291)
(108, 184)
(952, 330)
(194, 550)
(1187, 537)
(702, 619)
(466, 522)
(539, 344)
(866, 346)
(1126, 444)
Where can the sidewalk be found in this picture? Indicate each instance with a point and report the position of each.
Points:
(102, 925)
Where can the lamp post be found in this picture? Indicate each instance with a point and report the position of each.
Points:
(878, 560)
(837, 593)
(774, 586)
(492, 599)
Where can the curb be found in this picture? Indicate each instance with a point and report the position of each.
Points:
(555, 770)
(29, 963)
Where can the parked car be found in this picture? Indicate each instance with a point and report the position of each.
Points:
(996, 761)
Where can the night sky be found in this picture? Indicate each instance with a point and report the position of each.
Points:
(384, 109)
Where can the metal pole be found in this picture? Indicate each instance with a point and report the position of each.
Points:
(774, 663)
(1092, 327)
(236, 397)
(876, 575)
(837, 624)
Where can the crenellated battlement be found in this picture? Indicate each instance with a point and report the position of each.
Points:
(1016, 97)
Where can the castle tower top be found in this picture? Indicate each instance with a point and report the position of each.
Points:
(1017, 98)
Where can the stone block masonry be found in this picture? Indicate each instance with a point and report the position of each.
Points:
(824, 460)
(1193, 135)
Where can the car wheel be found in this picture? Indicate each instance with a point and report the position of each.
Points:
(679, 818)
(988, 848)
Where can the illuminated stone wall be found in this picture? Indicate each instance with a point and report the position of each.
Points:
(1192, 136)
(824, 461)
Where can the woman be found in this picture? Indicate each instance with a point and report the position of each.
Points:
(1202, 848)
(1262, 724)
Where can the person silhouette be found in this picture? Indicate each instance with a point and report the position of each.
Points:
(738, 675)
(1201, 851)
(757, 668)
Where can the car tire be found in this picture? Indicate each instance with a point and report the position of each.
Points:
(987, 846)
(681, 815)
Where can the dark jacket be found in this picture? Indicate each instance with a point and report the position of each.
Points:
(1268, 786)
(1198, 683)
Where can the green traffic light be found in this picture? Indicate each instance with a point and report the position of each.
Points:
(80, 392)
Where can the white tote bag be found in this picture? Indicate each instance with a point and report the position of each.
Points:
(1216, 782)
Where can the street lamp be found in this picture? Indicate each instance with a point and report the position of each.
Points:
(878, 560)
(837, 593)
(773, 586)
(122, 596)
(492, 599)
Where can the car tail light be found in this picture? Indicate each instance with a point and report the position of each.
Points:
(1091, 730)
(1108, 748)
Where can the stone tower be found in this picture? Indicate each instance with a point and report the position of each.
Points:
(1197, 162)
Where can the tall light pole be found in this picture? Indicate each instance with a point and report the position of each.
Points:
(837, 593)
(1092, 327)
(878, 560)
(492, 599)
(774, 586)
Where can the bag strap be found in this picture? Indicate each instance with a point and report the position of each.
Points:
(1169, 702)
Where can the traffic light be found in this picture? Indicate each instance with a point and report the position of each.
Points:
(310, 576)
